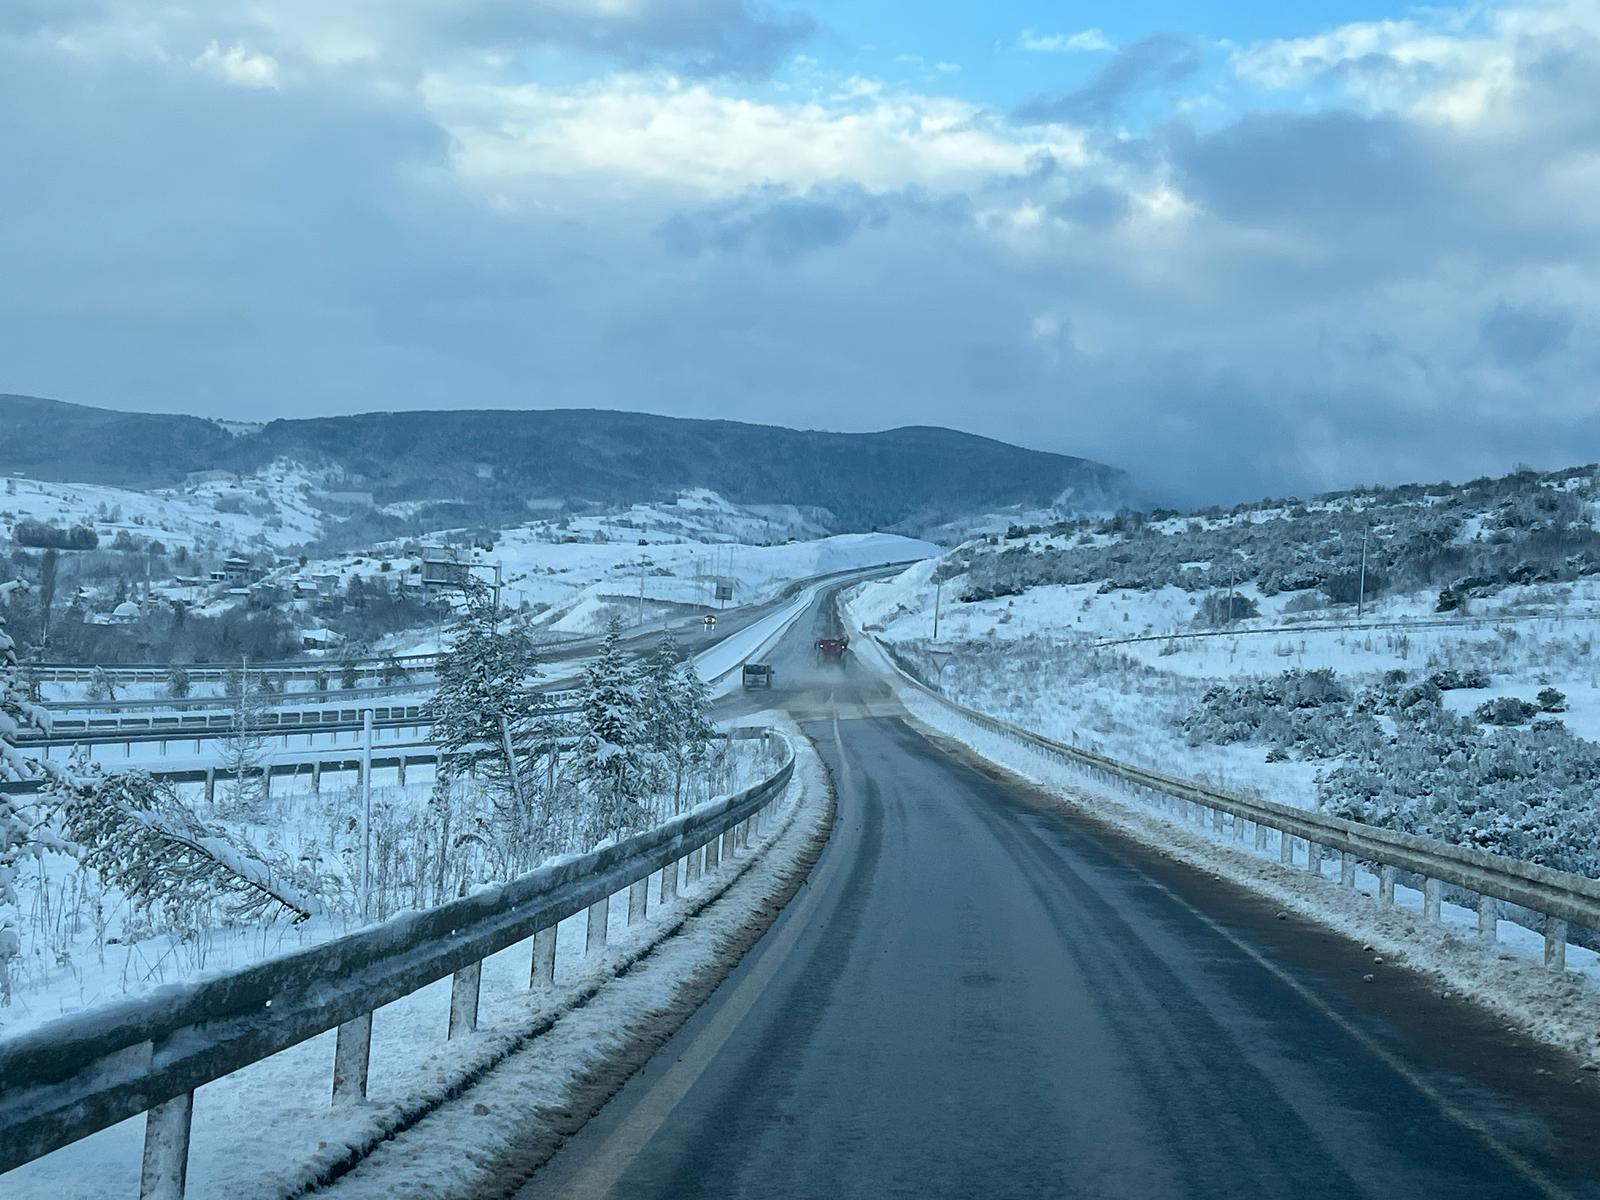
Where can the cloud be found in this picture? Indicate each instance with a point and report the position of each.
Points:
(1521, 335)
(1150, 64)
(1383, 265)
(698, 38)
(238, 65)
(641, 132)
(1086, 41)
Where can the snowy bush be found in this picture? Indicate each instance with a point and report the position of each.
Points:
(1525, 793)
(1305, 712)
(1551, 701)
(1505, 710)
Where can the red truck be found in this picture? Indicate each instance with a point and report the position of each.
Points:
(831, 650)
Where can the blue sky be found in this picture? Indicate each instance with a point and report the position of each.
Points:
(983, 40)
(1236, 249)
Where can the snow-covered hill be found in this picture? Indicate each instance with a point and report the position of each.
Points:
(1228, 646)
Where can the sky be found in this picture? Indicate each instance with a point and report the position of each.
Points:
(1238, 249)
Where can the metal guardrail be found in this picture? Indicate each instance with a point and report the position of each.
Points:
(210, 703)
(366, 668)
(82, 1073)
(1558, 897)
(1287, 630)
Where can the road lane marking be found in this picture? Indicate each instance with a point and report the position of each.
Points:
(600, 1173)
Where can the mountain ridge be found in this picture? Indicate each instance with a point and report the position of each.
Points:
(494, 462)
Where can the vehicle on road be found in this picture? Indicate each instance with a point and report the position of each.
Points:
(832, 651)
(758, 675)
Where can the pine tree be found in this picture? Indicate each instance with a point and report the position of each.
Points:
(243, 756)
(178, 685)
(488, 718)
(613, 758)
(676, 726)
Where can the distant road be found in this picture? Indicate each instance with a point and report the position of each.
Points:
(982, 994)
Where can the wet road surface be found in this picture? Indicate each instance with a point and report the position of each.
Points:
(979, 993)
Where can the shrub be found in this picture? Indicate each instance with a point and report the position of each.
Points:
(1551, 701)
(1505, 710)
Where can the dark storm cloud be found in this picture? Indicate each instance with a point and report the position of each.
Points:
(1152, 63)
(1517, 336)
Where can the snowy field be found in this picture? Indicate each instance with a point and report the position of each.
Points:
(271, 508)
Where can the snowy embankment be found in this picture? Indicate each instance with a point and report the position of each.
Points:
(1561, 1009)
(443, 1116)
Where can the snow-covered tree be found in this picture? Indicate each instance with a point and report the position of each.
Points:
(178, 685)
(613, 758)
(20, 824)
(141, 839)
(677, 727)
(488, 718)
(101, 685)
(243, 756)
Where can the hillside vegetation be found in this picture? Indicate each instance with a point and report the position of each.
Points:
(1225, 645)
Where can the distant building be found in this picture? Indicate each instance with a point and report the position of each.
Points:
(237, 570)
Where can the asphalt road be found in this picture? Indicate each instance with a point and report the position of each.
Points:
(980, 994)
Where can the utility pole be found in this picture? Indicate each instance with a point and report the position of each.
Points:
(938, 592)
(1361, 594)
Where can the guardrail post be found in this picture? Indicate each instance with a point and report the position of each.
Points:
(1313, 857)
(352, 1052)
(691, 867)
(465, 986)
(211, 782)
(165, 1170)
(1488, 919)
(1216, 821)
(727, 843)
(1555, 943)
(1286, 848)
(400, 770)
(1347, 870)
(669, 882)
(599, 918)
(1261, 838)
(1432, 896)
(542, 974)
(316, 777)
(638, 900)
(713, 854)
(1386, 876)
